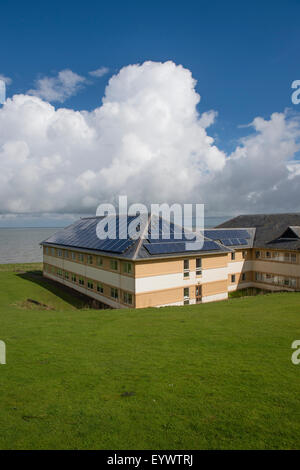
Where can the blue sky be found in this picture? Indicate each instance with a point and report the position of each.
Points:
(244, 55)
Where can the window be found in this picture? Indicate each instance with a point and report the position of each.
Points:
(60, 253)
(293, 258)
(90, 285)
(73, 255)
(243, 276)
(268, 254)
(73, 278)
(186, 295)
(186, 268)
(127, 268)
(53, 251)
(66, 254)
(232, 277)
(66, 275)
(90, 259)
(293, 283)
(257, 254)
(81, 281)
(198, 292)
(46, 250)
(127, 297)
(232, 256)
(99, 261)
(100, 288)
(198, 266)
(258, 276)
(114, 264)
(81, 257)
(114, 293)
(59, 272)
(244, 254)
(287, 257)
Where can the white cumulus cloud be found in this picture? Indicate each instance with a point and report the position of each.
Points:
(59, 88)
(146, 140)
(5, 79)
(99, 72)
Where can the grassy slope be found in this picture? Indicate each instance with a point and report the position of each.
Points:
(207, 376)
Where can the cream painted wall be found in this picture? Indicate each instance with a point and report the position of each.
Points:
(215, 297)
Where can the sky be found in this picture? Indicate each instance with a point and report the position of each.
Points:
(164, 101)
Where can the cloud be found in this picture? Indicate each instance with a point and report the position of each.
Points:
(5, 79)
(146, 140)
(99, 72)
(59, 88)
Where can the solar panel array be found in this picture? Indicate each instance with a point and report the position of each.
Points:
(171, 237)
(83, 234)
(162, 231)
(179, 247)
(220, 234)
(234, 242)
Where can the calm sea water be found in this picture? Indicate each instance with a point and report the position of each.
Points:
(21, 245)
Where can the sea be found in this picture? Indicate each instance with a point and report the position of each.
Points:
(22, 245)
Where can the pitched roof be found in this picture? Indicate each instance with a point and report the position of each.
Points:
(83, 235)
(279, 231)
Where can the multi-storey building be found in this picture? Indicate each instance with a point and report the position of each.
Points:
(248, 251)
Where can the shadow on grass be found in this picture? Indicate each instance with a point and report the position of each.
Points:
(71, 296)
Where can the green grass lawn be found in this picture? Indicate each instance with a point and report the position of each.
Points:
(214, 376)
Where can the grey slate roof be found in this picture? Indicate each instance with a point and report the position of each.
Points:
(277, 231)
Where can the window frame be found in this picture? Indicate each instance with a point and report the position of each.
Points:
(116, 291)
(112, 261)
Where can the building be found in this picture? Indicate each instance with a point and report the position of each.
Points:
(247, 251)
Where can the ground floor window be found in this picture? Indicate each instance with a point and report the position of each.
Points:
(198, 293)
(81, 281)
(73, 278)
(233, 278)
(127, 297)
(114, 293)
(100, 288)
(90, 285)
(186, 295)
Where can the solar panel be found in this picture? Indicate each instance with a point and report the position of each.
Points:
(179, 247)
(227, 242)
(82, 234)
(243, 241)
(221, 234)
